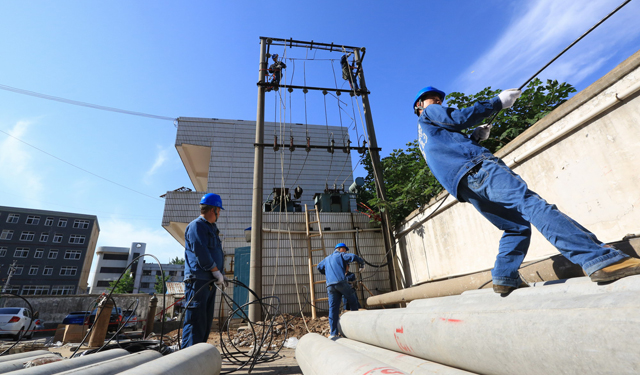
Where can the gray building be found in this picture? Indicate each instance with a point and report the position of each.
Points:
(150, 271)
(52, 251)
(112, 261)
(218, 156)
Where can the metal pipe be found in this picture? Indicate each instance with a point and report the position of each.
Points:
(317, 355)
(403, 362)
(116, 365)
(268, 230)
(551, 268)
(200, 359)
(73, 363)
(255, 270)
(532, 331)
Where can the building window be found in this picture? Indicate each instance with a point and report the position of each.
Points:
(53, 254)
(33, 270)
(13, 218)
(33, 220)
(44, 237)
(6, 234)
(81, 224)
(27, 236)
(173, 273)
(146, 272)
(3, 251)
(115, 256)
(68, 271)
(21, 252)
(57, 238)
(104, 283)
(112, 269)
(60, 290)
(158, 273)
(48, 222)
(17, 272)
(35, 290)
(48, 270)
(38, 253)
(12, 289)
(76, 238)
(144, 285)
(73, 254)
(62, 223)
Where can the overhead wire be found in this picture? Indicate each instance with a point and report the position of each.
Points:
(80, 168)
(83, 104)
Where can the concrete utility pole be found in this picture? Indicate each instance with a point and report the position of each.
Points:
(379, 179)
(255, 270)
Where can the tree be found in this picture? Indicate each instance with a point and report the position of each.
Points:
(407, 178)
(176, 260)
(125, 285)
(160, 281)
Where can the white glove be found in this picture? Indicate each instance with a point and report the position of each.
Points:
(361, 269)
(481, 133)
(508, 97)
(221, 281)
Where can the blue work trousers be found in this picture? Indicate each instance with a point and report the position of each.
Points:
(198, 315)
(335, 292)
(347, 305)
(504, 199)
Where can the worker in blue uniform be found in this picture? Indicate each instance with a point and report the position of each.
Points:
(204, 261)
(472, 174)
(334, 267)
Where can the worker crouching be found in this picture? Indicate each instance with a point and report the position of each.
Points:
(334, 267)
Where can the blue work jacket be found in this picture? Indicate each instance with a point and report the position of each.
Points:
(449, 153)
(202, 250)
(334, 266)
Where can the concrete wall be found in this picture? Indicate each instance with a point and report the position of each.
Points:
(590, 174)
(53, 309)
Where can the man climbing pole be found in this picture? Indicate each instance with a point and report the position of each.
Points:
(348, 72)
(334, 267)
(472, 174)
(276, 70)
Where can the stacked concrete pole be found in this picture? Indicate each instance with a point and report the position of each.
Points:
(570, 327)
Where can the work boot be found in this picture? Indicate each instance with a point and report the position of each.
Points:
(504, 289)
(618, 270)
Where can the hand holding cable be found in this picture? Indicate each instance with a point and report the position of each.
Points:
(508, 97)
(221, 280)
(481, 133)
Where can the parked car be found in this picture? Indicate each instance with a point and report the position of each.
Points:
(38, 325)
(15, 321)
(76, 317)
(114, 320)
(131, 319)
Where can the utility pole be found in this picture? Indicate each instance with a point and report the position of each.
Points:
(379, 179)
(255, 270)
(12, 270)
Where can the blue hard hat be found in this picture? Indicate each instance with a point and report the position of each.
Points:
(212, 200)
(426, 90)
(341, 244)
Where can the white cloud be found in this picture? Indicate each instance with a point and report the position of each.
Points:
(541, 31)
(18, 174)
(161, 158)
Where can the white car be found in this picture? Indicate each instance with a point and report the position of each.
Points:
(15, 321)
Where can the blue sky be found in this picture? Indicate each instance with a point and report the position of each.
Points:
(200, 59)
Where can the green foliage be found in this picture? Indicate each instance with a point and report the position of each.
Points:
(125, 285)
(408, 180)
(176, 260)
(160, 281)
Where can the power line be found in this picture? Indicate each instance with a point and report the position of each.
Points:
(80, 168)
(83, 104)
